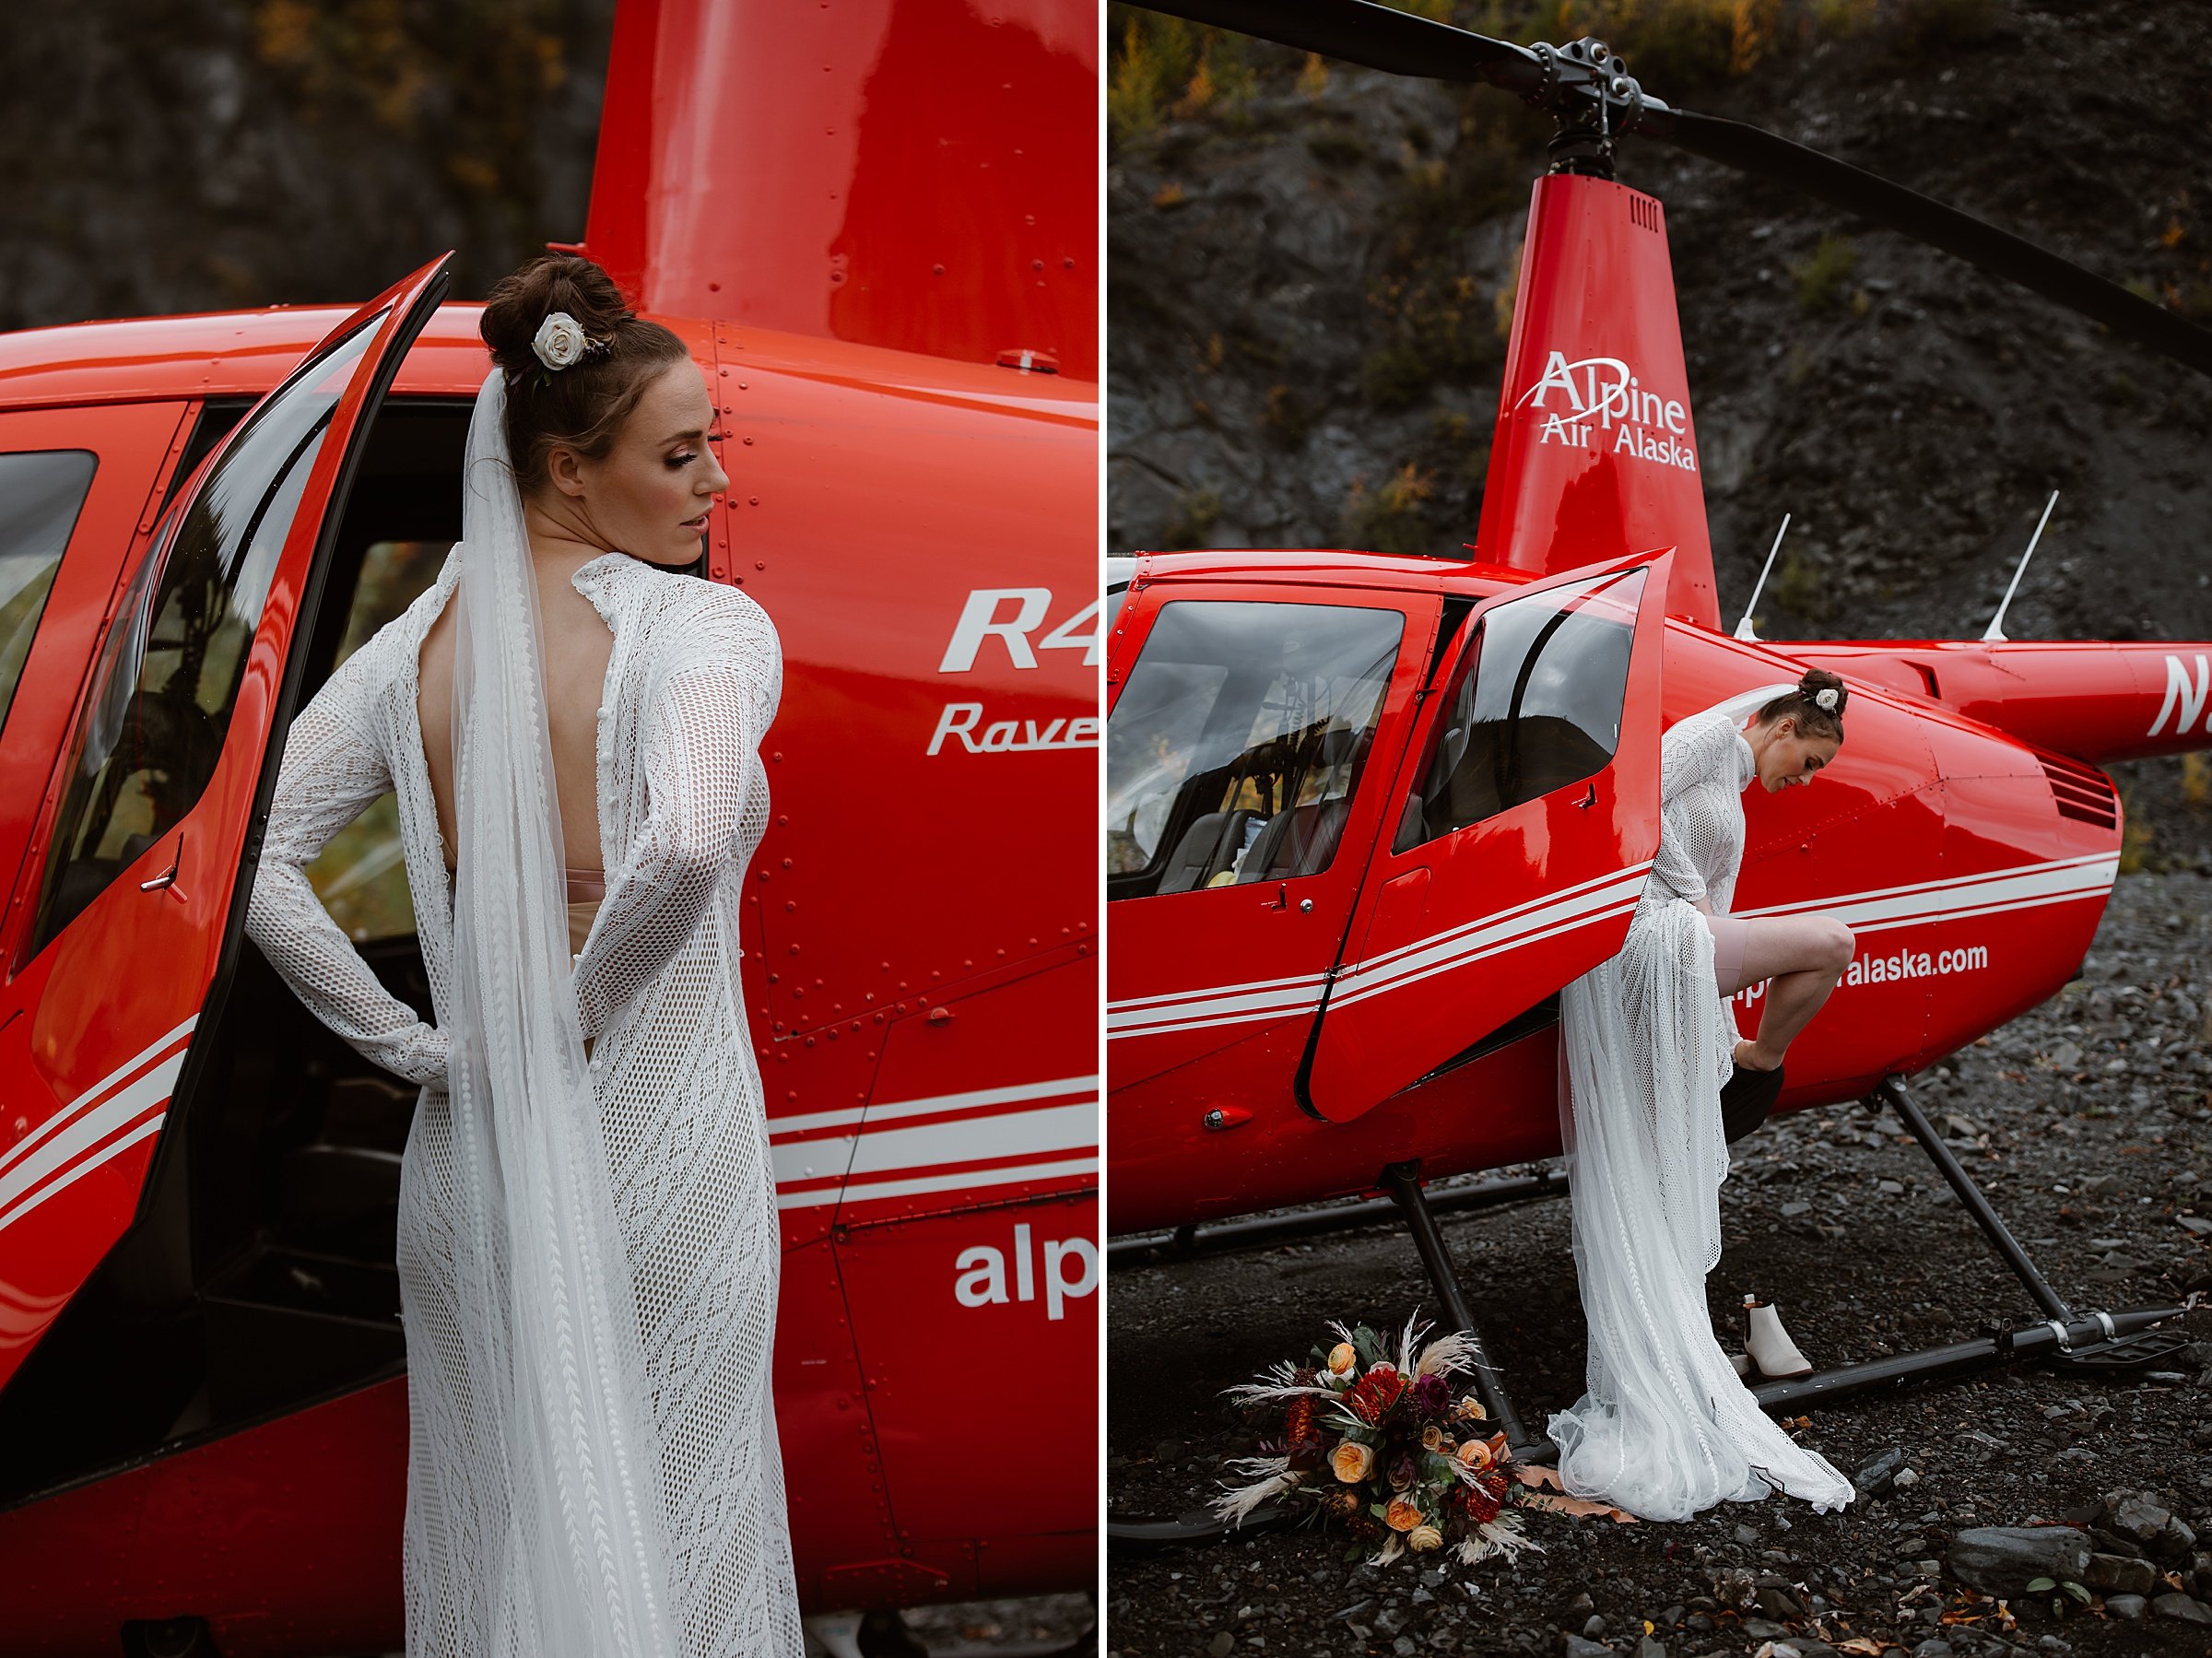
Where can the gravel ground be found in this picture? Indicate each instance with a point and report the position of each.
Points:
(2086, 1123)
(1033, 1627)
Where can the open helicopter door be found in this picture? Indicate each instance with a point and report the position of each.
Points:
(135, 882)
(1526, 816)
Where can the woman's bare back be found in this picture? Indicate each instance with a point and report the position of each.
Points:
(577, 645)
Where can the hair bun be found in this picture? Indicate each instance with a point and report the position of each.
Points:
(519, 303)
(577, 395)
(1824, 691)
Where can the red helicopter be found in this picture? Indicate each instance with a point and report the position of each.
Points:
(1367, 813)
(876, 227)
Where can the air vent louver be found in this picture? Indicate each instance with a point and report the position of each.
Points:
(2080, 793)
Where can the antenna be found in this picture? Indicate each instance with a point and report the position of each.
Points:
(1995, 634)
(1743, 629)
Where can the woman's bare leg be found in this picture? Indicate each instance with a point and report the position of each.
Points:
(1804, 955)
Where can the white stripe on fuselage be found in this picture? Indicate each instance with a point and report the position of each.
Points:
(1918, 903)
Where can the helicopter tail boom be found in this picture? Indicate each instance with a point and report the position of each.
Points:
(2095, 701)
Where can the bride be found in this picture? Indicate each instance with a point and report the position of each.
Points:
(588, 1248)
(1667, 1428)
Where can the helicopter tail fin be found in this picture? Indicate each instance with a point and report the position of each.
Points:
(918, 174)
(1595, 456)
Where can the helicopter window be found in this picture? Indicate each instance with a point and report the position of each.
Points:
(1235, 749)
(41, 495)
(218, 415)
(1534, 706)
(362, 875)
(155, 721)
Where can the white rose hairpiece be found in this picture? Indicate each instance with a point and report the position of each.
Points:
(560, 341)
(1826, 698)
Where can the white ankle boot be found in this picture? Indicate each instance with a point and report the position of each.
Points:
(1770, 1346)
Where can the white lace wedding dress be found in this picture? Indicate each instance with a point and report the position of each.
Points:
(1666, 1428)
(695, 677)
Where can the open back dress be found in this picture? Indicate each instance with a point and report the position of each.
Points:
(694, 678)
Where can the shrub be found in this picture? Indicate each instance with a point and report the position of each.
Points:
(1389, 520)
(1196, 512)
(1799, 590)
(1821, 276)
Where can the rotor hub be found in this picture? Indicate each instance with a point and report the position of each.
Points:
(1586, 84)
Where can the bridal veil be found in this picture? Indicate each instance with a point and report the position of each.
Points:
(552, 1526)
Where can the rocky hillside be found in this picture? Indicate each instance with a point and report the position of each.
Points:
(1312, 269)
(196, 155)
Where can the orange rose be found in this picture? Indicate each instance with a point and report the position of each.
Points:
(1423, 1539)
(1432, 1438)
(1342, 1358)
(1470, 1408)
(1476, 1454)
(1402, 1516)
(1351, 1461)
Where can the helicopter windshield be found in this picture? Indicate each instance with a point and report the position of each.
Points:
(1534, 704)
(1236, 745)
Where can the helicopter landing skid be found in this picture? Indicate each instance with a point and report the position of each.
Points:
(2097, 1343)
(1402, 1182)
(2106, 1343)
(1130, 1534)
(1260, 1232)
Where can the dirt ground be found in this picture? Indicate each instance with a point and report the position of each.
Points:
(2088, 1122)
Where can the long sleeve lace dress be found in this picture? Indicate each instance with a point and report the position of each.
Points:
(1666, 1428)
(693, 681)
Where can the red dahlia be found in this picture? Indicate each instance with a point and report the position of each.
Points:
(1481, 1505)
(1303, 1438)
(1374, 1394)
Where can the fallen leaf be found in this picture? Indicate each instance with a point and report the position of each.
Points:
(1578, 1506)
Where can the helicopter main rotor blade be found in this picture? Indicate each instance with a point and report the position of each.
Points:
(1765, 155)
(1358, 31)
(1375, 37)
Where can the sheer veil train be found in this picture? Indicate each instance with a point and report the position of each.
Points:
(548, 1520)
(1666, 1428)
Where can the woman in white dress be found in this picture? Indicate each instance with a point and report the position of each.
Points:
(588, 1248)
(1667, 1428)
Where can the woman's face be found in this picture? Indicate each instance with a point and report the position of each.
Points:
(651, 494)
(1786, 756)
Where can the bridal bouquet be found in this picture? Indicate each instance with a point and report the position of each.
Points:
(1381, 1443)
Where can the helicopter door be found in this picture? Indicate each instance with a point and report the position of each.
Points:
(132, 889)
(1237, 823)
(1526, 818)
